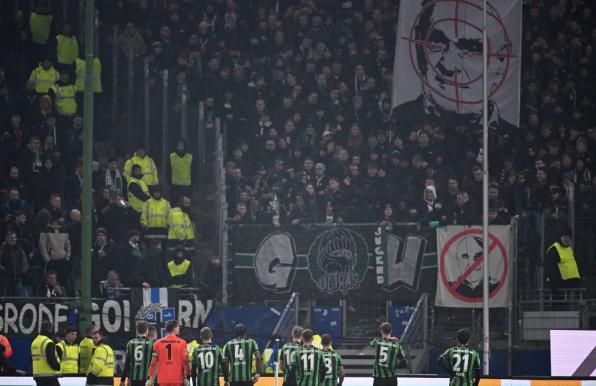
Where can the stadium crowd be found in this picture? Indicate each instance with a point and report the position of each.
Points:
(304, 88)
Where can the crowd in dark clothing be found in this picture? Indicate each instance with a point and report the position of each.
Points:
(304, 88)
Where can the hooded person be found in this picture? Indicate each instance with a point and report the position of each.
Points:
(180, 270)
(431, 209)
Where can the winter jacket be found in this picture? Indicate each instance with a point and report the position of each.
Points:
(54, 243)
(13, 262)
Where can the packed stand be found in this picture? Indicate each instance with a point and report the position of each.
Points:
(305, 91)
(141, 235)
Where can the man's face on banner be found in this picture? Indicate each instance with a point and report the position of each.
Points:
(450, 57)
(468, 250)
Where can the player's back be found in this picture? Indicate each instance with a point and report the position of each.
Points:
(206, 359)
(388, 354)
(287, 352)
(140, 351)
(465, 363)
(240, 352)
(172, 359)
(332, 362)
(308, 361)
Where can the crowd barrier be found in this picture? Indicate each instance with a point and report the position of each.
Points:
(349, 381)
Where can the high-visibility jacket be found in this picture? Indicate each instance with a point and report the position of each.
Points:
(102, 363)
(190, 349)
(178, 270)
(567, 265)
(41, 367)
(7, 349)
(40, 27)
(147, 166)
(80, 72)
(136, 203)
(67, 49)
(69, 361)
(86, 349)
(155, 213)
(66, 103)
(181, 227)
(44, 79)
(181, 169)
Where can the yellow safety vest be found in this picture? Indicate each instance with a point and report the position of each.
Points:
(41, 367)
(40, 27)
(178, 270)
(134, 202)
(80, 72)
(69, 362)
(181, 169)
(155, 213)
(567, 265)
(181, 228)
(44, 79)
(86, 348)
(147, 166)
(102, 363)
(65, 99)
(190, 349)
(67, 49)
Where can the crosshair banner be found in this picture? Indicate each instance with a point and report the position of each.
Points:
(438, 72)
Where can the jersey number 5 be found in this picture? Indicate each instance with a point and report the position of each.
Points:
(383, 354)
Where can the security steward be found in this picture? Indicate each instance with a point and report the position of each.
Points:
(63, 96)
(69, 360)
(180, 270)
(44, 76)
(148, 168)
(138, 191)
(86, 349)
(561, 264)
(181, 227)
(179, 172)
(101, 369)
(44, 357)
(154, 216)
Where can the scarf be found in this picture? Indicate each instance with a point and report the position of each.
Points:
(115, 181)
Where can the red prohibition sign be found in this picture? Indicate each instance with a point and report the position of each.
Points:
(452, 288)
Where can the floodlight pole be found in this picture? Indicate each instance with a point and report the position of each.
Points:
(485, 233)
(87, 199)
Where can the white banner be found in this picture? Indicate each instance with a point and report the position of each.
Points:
(437, 73)
(460, 273)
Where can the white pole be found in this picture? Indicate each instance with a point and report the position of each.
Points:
(276, 362)
(485, 233)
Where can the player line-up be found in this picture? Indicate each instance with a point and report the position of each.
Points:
(166, 360)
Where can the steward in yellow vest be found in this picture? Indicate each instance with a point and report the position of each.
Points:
(67, 47)
(63, 95)
(44, 76)
(101, 369)
(180, 272)
(80, 73)
(70, 351)
(40, 22)
(86, 349)
(138, 192)
(179, 171)
(148, 169)
(154, 216)
(561, 265)
(181, 227)
(45, 361)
